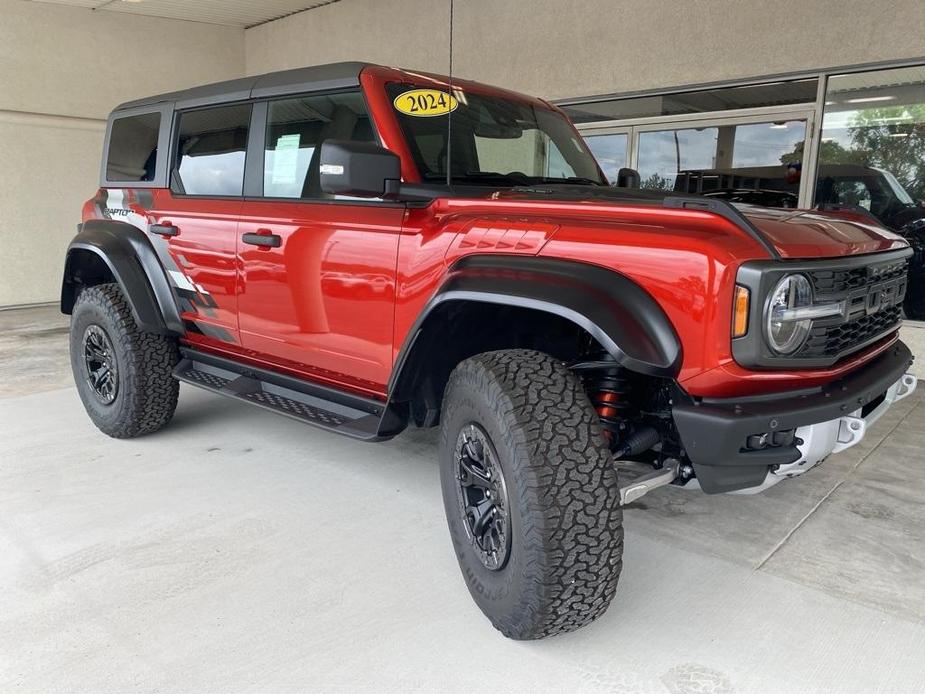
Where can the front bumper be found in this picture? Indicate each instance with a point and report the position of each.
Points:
(809, 424)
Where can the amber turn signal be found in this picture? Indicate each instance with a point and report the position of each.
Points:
(740, 312)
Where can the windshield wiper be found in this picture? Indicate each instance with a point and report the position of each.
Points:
(516, 178)
(566, 180)
(482, 177)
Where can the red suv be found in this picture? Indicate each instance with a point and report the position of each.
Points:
(363, 248)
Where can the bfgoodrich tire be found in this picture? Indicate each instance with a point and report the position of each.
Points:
(124, 376)
(531, 494)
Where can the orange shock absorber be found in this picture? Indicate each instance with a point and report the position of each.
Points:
(606, 386)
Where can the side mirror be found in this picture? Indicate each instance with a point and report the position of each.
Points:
(627, 178)
(358, 169)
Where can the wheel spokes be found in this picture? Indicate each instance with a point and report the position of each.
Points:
(482, 496)
(482, 515)
(472, 475)
(101, 368)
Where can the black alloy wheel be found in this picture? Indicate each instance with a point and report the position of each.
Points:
(482, 497)
(100, 360)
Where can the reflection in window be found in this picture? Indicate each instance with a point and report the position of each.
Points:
(610, 152)
(700, 101)
(768, 144)
(210, 150)
(133, 148)
(754, 163)
(665, 154)
(295, 130)
(872, 153)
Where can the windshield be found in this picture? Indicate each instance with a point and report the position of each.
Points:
(898, 191)
(495, 141)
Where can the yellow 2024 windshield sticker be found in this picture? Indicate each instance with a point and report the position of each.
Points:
(423, 103)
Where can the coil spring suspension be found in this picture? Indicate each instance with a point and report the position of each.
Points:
(608, 390)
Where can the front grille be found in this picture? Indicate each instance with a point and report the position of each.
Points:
(842, 339)
(835, 282)
(873, 297)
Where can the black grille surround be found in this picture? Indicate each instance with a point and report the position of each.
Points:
(870, 287)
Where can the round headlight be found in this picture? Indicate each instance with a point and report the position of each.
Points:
(785, 332)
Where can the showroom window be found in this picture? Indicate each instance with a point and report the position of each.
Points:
(723, 141)
(210, 150)
(872, 150)
(132, 152)
(665, 154)
(295, 130)
(776, 94)
(610, 152)
(854, 139)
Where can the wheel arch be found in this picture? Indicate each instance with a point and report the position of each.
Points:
(114, 251)
(556, 296)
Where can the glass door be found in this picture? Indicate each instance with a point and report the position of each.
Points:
(755, 158)
(610, 146)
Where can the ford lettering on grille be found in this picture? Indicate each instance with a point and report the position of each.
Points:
(872, 308)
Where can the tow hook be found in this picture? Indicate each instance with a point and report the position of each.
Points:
(641, 486)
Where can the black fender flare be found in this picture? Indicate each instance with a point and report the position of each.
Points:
(621, 315)
(128, 253)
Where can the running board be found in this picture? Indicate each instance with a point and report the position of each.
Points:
(644, 484)
(353, 416)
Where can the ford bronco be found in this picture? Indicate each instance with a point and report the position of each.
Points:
(363, 248)
(863, 191)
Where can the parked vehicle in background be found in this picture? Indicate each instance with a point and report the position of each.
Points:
(839, 187)
(761, 197)
(364, 249)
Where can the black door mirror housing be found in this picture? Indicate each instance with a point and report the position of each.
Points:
(358, 169)
(627, 178)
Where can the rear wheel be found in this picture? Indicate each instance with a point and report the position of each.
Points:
(531, 493)
(124, 376)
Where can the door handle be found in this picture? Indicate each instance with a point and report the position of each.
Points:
(263, 238)
(164, 229)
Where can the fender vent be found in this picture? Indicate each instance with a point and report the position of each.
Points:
(503, 236)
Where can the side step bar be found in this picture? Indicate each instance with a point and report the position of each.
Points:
(644, 484)
(354, 416)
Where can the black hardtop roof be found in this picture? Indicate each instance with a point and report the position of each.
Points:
(303, 79)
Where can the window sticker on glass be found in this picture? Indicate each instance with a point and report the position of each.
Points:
(424, 103)
(286, 159)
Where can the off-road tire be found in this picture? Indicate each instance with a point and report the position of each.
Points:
(147, 392)
(566, 521)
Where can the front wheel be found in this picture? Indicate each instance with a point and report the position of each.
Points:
(531, 493)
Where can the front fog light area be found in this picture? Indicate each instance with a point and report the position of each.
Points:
(770, 439)
(786, 332)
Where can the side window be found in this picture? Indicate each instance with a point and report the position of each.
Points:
(132, 152)
(210, 150)
(295, 130)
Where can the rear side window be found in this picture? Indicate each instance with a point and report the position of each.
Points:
(295, 130)
(210, 151)
(132, 152)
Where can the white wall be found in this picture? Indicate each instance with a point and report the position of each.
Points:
(562, 48)
(62, 70)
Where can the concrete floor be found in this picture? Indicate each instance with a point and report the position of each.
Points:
(241, 551)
